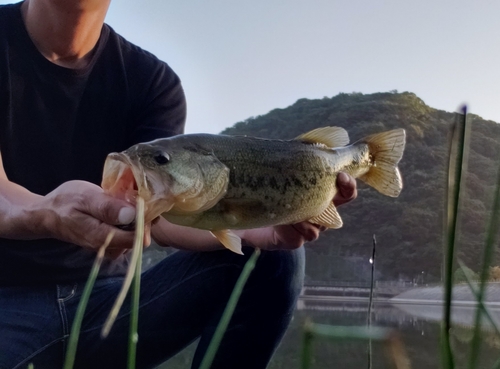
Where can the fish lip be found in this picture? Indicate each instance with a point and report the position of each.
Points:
(136, 169)
(118, 156)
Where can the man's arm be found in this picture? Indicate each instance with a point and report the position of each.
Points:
(77, 211)
(270, 238)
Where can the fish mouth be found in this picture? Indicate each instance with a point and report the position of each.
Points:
(121, 179)
(126, 179)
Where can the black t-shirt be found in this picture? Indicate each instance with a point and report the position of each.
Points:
(58, 124)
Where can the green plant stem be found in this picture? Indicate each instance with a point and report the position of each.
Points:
(370, 303)
(228, 311)
(336, 333)
(487, 256)
(456, 172)
(136, 289)
(496, 365)
(82, 305)
(307, 341)
(129, 276)
(314, 331)
(480, 302)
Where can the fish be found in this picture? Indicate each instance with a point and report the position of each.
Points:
(221, 183)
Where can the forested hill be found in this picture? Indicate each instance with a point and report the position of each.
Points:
(409, 229)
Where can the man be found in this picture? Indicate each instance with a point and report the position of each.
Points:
(71, 91)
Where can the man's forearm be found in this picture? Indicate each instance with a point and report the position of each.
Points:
(269, 238)
(19, 218)
(185, 238)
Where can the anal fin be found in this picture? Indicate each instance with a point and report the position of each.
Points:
(330, 218)
(230, 240)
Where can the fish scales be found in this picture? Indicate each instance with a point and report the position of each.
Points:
(218, 182)
(275, 181)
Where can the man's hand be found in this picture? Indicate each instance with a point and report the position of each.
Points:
(295, 235)
(81, 213)
(347, 190)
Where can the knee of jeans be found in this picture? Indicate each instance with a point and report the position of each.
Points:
(282, 272)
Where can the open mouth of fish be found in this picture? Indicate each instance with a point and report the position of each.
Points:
(126, 180)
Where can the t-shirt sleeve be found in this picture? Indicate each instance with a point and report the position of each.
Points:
(161, 109)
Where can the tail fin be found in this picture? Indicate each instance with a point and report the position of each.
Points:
(387, 149)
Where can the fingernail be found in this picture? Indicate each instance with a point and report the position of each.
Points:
(126, 215)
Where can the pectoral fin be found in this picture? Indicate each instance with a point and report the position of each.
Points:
(229, 240)
(330, 218)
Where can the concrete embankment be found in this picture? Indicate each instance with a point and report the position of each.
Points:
(462, 296)
(427, 303)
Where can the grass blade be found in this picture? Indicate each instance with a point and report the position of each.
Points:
(370, 303)
(307, 351)
(342, 333)
(134, 311)
(496, 365)
(456, 172)
(228, 311)
(480, 302)
(136, 252)
(487, 256)
(77, 323)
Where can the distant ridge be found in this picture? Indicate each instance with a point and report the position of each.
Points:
(409, 228)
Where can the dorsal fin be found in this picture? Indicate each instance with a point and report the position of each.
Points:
(329, 136)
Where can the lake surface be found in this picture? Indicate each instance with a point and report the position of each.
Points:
(418, 327)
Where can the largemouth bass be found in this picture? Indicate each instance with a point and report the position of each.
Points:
(219, 183)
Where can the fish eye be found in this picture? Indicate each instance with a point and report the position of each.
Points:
(161, 158)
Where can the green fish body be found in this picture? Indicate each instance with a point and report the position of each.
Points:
(218, 182)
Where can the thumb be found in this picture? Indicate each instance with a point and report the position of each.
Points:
(110, 210)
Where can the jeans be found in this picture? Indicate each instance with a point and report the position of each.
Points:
(181, 300)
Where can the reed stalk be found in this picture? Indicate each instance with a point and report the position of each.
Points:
(370, 302)
(228, 311)
(136, 288)
(456, 172)
(131, 271)
(69, 360)
(314, 331)
(487, 256)
(480, 302)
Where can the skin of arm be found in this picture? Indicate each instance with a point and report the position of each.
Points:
(78, 212)
(271, 238)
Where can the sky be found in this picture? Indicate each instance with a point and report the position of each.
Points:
(239, 59)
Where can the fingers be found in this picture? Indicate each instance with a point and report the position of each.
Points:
(123, 242)
(81, 213)
(109, 210)
(147, 234)
(347, 190)
(295, 235)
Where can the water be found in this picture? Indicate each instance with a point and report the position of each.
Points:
(418, 327)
